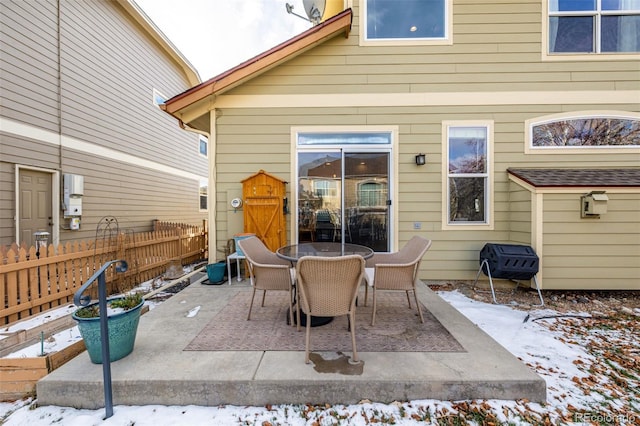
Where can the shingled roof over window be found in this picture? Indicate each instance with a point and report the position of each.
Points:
(578, 177)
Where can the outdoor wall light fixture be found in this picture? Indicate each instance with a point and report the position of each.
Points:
(421, 160)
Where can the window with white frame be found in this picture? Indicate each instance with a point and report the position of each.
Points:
(468, 174)
(585, 131)
(594, 26)
(326, 188)
(406, 19)
(158, 98)
(372, 194)
(203, 194)
(203, 145)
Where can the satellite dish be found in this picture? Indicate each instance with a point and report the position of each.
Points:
(313, 8)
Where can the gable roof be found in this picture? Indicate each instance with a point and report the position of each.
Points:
(578, 177)
(339, 24)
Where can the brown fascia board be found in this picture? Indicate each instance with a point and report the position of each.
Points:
(261, 63)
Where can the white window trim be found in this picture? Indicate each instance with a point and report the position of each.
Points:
(489, 196)
(200, 182)
(200, 137)
(359, 190)
(530, 149)
(546, 56)
(447, 40)
(156, 94)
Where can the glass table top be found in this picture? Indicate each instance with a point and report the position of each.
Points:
(296, 251)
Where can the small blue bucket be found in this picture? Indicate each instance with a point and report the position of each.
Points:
(215, 271)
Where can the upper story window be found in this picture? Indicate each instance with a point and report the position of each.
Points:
(468, 174)
(594, 26)
(326, 188)
(406, 20)
(204, 145)
(600, 131)
(203, 194)
(158, 98)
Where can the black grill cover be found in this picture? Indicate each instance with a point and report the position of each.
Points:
(509, 261)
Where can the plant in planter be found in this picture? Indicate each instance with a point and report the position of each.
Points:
(123, 315)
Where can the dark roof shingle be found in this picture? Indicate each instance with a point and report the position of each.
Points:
(578, 177)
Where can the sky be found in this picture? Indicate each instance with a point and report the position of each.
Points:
(557, 353)
(216, 35)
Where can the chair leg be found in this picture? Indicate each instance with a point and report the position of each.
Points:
(366, 292)
(415, 295)
(408, 299)
(306, 345)
(264, 293)
(352, 321)
(253, 295)
(298, 310)
(373, 314)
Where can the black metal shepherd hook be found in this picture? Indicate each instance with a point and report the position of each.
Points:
(83, 300)
(107, 231)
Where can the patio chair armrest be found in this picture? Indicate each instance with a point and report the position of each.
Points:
(395, 275)
(271, 266)
(380, 258)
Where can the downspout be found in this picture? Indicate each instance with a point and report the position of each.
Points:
(211, 195)
(56, 196)
(59, 83)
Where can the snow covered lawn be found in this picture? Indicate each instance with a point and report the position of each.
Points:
(591, 365)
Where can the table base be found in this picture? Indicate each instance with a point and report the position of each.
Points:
(315, 321)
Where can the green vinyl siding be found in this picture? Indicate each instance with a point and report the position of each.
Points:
(497, 49)
(591, 253)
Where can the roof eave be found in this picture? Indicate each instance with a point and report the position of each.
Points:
(341, 23)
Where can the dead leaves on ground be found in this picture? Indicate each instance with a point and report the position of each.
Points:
(614, 369)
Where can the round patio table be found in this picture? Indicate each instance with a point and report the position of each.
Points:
(294, 252)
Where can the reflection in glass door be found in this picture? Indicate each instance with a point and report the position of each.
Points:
(344, 197)
(366, 199)
(319, 196)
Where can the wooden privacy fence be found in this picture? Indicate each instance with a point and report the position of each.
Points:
(33, 282)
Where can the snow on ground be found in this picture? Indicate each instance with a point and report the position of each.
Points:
(60, 340)
(587, 383)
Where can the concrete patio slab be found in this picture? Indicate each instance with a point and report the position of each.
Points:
(160, 372)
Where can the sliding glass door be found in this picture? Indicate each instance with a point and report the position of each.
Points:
(343, 196)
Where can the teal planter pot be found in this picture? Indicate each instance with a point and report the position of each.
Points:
(215, 271)
(123, 327)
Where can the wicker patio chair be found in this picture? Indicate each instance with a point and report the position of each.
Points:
(396, 271)
(328, 287)
(267, 271)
